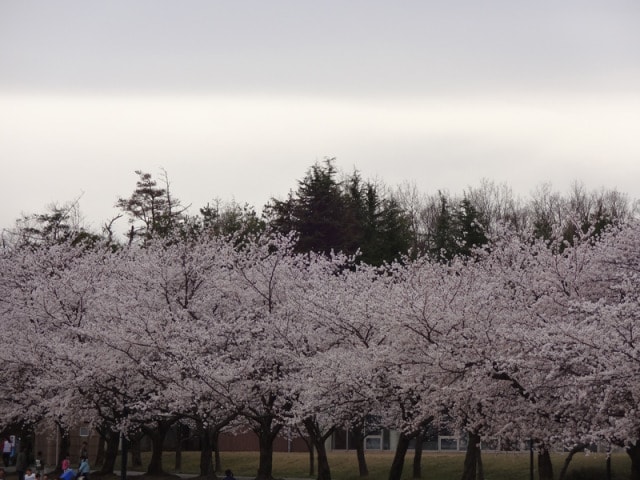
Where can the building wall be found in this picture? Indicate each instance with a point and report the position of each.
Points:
(48, 442)
(248, 442)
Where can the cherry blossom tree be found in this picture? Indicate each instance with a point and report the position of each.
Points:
(168, 312)
(527, 339)
(266, 326)
(604, 329)
(337, 356)
(48, 293)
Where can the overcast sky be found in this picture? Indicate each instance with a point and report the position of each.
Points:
(236, 99)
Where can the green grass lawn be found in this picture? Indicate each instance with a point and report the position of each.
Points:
(435, 466)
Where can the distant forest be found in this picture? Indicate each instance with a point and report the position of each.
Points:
(333, 211)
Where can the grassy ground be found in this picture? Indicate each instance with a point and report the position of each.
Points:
(435, 466)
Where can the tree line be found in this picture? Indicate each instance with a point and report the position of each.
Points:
(492, 319)
(331, 210)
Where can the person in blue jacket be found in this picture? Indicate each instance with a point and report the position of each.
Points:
(68, 474)
(84, 468)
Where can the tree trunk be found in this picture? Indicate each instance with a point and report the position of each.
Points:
(324, 472)
(398, 459)
(265, 463)
(565, 466)
(472, 459)
(266, 435)
(110, 454)
(124, 456)
(312, 462)
(178, 466)
(206, 452)
(63, 448)
(318, 440)
(357, 430)
(545, 468)
(608, 464)
(155, 464)
(531, 469)
(634, 454)
(215, 444)
(136, 454)
(480, 471)
(100, 455)
(157, 437)
(417, 455)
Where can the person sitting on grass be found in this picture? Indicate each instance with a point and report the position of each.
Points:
(228, 475)
(84, 468)
(39, 463)
(29, 475)
(68, 474)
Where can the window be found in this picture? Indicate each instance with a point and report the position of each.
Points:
(373, 442)
(448, 443)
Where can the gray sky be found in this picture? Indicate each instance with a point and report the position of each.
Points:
(236, 99)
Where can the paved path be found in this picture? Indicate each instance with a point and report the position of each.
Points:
(191, 475)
